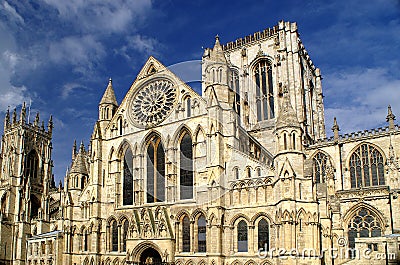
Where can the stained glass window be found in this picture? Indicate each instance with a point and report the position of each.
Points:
(264, 90)
(263, 235)
(128, 178)
(363, 224)
(185, 234)
(186, 167)
(366, 167)
(320, 161)
(155, 171)
(242, 236)
(114, 236)
(125, 235)
(201, 234)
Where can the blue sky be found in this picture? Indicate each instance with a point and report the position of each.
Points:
(59, 54)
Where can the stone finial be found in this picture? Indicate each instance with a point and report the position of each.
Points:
(36, 122)
(14, 116)
(217, 45)
(390, 118)
(82, 148)
(74, 150)
(22, 118)
(335, 129)
(7, 119)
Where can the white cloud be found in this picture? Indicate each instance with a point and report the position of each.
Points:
(78, 51)
(359, 98)
(11, 95)
(67, 89)
(138, 44)
(102, 16)
(14, 14)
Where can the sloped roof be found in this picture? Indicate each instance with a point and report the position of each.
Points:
(109, 95)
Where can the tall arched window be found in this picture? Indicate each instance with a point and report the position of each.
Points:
(85, 240)
(186, 167)
(114, 236)
(120, 125)
(242, 236)
(201, 234)
(320, 162)
(125, 234)
(235, 87)
(128, 178)
(264, 90)
(32, 165)
(155, 171)
(366, 167)
(263, 235)
(185, 234)
(188, 107)
(363, 224)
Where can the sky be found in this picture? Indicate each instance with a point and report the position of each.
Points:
(58, 55)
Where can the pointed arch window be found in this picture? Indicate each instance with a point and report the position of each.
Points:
(242, 236)
(263, 235)
(32, 165)
(320, 162)
(188, 107)
(125, 234)
(155, 171)
(201, 234)
(128, 178)
(264, 90)
(114, 236)
(235, 87)
(366, 167)
(185, 234)
(186, 167)
(363, 224)
(86, 240)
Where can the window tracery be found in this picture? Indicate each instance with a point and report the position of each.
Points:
(366, 167)
(264, 90)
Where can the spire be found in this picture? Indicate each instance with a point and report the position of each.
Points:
(287, 116)
(109, 95)
(22, 117)
(335, 129)
(390, 118)
(79, 163)
(74, 150)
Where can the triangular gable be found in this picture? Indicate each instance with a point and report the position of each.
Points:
(150, 68)
(287, 167)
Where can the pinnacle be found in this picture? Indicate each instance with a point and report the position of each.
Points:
(109, 95)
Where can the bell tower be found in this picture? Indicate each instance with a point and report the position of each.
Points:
(25, 180)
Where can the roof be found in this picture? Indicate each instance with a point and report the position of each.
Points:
(109, 95)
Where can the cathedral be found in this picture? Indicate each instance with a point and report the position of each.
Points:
(241, 174)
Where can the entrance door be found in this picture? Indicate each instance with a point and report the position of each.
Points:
(150, 256)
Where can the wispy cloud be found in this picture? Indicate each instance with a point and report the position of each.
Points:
(12, 12)
(359, 97)
(77, 51)
(138, 44)
(102, 16)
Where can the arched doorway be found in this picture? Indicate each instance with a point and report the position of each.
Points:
(150, 256)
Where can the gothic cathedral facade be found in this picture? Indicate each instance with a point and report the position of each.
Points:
(239, 173)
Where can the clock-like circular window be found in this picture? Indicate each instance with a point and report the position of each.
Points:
(152, 103)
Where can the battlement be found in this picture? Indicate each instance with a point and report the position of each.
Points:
(249, 39)
(359, 135)
(37, 125)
